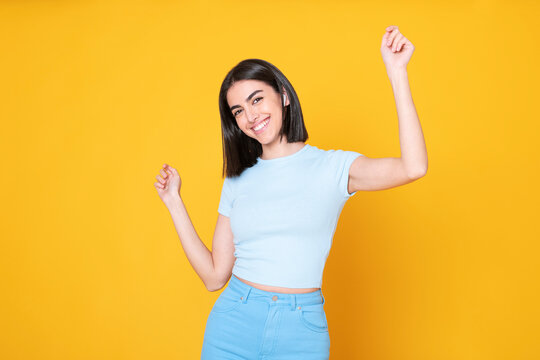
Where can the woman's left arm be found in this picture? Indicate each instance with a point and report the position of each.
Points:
(384, 173)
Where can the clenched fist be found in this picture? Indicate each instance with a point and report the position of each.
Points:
(396, 49)
(168, 185)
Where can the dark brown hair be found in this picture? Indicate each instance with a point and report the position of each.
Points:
(239, 150)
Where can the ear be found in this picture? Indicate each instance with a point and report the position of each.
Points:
(285, 97)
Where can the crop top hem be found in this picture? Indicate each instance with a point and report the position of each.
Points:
(262, 282)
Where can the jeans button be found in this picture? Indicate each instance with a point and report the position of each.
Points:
(274, 297)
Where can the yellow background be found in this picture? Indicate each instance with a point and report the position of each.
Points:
(97, 95)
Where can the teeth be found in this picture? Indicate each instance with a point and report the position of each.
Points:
(260, 126)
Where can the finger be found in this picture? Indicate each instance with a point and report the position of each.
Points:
(395, 44)
(398, 41)
(160, 179)
(158, 186)
(385, 40)
(173, 170)
(388, 39)
(386, 36)
(392, 37)
(163, 173)
(402, 44)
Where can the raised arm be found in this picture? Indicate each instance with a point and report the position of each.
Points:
(384, 173)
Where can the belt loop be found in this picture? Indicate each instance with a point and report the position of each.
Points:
(246, 294)
(293, 301)
(322, 296)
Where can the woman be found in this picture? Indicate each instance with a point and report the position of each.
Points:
(279, 207)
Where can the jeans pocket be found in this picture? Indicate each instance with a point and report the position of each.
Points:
(313, 317)
(226, 302)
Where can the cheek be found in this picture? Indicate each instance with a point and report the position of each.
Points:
(242, 126)
(240, 123)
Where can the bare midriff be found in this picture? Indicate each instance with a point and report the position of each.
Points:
(278, 289)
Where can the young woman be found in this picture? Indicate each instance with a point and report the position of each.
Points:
(279, 207)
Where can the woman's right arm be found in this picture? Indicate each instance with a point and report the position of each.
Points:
(196, 251)
(215, 267)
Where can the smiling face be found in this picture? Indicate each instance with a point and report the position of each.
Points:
(256, 106)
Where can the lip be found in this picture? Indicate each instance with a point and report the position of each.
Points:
(254, 126)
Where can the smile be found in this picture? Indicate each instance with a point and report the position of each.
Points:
(262, 126)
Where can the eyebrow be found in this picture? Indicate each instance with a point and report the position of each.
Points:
(248, 98)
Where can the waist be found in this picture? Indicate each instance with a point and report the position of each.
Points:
(238, 287)
(277, 289)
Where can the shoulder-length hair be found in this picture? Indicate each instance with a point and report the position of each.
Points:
(239, 150)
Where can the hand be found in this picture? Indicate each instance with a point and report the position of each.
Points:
(168, 184)
(396, 49)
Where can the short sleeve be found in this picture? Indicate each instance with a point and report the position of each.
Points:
(343, 160)
(227, 198)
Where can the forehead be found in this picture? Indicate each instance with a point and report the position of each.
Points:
(241, 89)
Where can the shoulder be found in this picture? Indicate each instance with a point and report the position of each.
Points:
(340, 156)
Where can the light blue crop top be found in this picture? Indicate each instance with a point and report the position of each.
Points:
(283, 214)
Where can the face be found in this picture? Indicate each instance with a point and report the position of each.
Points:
(256, 106)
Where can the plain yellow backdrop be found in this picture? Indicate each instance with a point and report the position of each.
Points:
(97, 95)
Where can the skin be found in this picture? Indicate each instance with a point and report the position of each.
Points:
(370, 174)
(367, 174)
(262, 105)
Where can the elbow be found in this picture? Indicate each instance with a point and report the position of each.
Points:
(213, 286)
(414, 169)
(217, 280)
(418, 173)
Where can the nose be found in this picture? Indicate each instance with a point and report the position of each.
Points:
(252, 116)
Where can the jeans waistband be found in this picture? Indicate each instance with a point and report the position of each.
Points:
(297, 299)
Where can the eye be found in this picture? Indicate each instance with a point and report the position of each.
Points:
(236, 113)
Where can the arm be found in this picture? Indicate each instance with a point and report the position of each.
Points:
(411, 138)
(213, 272)
(384, 173)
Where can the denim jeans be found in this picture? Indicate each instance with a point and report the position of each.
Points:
(252, 324)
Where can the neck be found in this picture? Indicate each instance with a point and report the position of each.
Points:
(276, 150)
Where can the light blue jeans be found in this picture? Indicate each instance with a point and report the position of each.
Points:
(252, 324)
